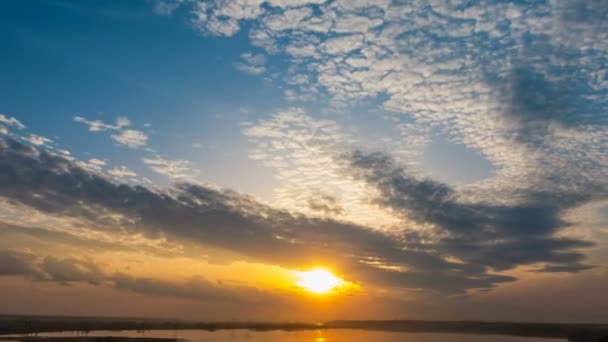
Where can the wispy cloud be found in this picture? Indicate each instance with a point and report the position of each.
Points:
(11, 121)
(131, 138)
(302, 150)
(99, 126)
(252, 63)
(38, 140)
(121, 172)
(177, 170)
(68, 271)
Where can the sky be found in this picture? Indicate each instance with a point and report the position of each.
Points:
(443, 159)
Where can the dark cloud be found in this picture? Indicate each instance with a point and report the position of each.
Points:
(196, 288)
(64, 271)
(325, 204)
(16, 264)
(67, 271)
(550, 80)
(565, 268)
(497, 236)
(25, 237)
(591, 12)
(538, 96)
(234, 222)
(72, 270)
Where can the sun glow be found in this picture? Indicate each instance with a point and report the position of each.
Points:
(318, 281)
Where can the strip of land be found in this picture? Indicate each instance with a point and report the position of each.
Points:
(87, 339)
(13, 325)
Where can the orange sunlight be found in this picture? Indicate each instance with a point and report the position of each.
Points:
(318, 281)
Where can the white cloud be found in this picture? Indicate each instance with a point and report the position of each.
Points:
(357, 5)
(38, 140)
(93, 165)
(3, 130)
(10, 121)
(307, 50)
(410, 56)
(288, 19)
(250, 69)
(121, 172)
(447, 68)
(343, 44)
(224, 17)
(166, 8)
(255, 59)
(98, 162)
(252, 63)
(99, 126)
(131, 138)
(263, 39)
(292, 3)
(174, 169)
(351, 23)
(302, 151)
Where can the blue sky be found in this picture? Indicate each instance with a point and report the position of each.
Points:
(458, 146)
(124, 60)
(90, 61)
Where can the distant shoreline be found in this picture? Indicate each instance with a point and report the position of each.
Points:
(88, 339)
(13, 325)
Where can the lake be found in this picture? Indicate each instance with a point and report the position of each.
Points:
(340, 335)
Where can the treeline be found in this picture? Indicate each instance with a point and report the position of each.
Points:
(81, 326)
(35, 325)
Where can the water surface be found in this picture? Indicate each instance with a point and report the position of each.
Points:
(345, 335)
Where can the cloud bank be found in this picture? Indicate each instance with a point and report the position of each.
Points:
(505, 237)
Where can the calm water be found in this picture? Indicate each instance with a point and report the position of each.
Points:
(310, 336)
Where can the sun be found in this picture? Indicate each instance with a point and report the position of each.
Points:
(318, 281)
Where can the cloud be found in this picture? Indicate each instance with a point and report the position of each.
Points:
(64, 271)
(15, 263)
(498, 236)
(121, 172)
(238, 223)
(99, 126)
(174, 169)
(343, 44)
(565, 268)
(195, 288)
(38, 140)
(131, 138)
(224, 17)
(301, 150)
(93, 164)
(43, 235)
(252, 63)
(71, 270)
(326, 204)
(97, 162)
(167, 7)
(10, 121)
(521, 83)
